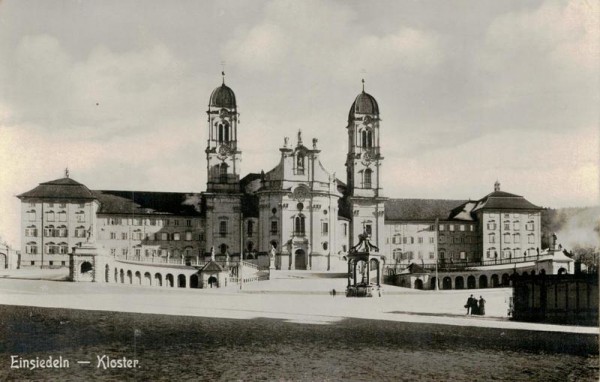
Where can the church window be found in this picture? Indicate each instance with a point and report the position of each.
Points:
(223, 132)
(368, 229)
(367, 178)
(299, 225)
(250, 229)
(223, 248)
(223, 228)
(274, 227)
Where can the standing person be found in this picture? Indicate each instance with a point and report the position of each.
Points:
(481, 306)
(469, 304)
(333, 293)
(474, 309)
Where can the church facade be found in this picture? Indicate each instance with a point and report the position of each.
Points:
(298, 210)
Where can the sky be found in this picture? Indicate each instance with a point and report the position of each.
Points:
(470, 92)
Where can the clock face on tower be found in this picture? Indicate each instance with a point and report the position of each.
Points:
(223, 151)
(367, 120)
(367, 158)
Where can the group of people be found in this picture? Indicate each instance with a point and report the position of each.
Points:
(475, 306)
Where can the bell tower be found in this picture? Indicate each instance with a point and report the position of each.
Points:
(363, 169)
(222, 154)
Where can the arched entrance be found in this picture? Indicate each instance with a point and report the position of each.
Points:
(447, 283)
(459, 283)
(3, 261)
(505, 280)
(181, 281)
(433, 282)
(495, 281)
(138, 278)
(122, 276)
(158, 279)
(86, 267)
(169, 280)
(213, 282)
(562, 271)
(129, 277)
(471, 283)
(483, 281)
(194, 281)
(147, 279)
(106, 273)
(418, 284)
(300, 259)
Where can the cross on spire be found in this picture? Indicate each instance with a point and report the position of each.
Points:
(66, 172)
(223, 71)
(363, 85)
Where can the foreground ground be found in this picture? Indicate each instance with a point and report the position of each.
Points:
(289, 328)
(197, 348)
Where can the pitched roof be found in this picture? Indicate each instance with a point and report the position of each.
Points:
(500, 200)
(148, 203)
(211, 266)
(64, 188)
(419, 209)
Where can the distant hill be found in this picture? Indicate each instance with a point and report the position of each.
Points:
(577, 226)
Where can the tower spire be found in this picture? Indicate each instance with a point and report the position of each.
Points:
(363, 85)
(66, 172)
(223, 74)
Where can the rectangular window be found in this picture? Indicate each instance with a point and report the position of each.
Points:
(176, 236)
(188, 236)
(462, 227)
(124, 251)
(325, 228)
(506, 226)
(451, 227)
(404, 239)
(164, 236)
(138, 252)
(188, 223)
(223, 228)
(420, 240)
(273, 227)
(113, 235)
(431, 240)
(463, 255)
(176, 222)
(472, 228)
(123, 235)
(113, 251)
(368, 229)
(441, 227)
(431, 255)
(33, 263)
(531, 239)
(345, 230)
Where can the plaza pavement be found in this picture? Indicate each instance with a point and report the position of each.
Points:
(288, 296)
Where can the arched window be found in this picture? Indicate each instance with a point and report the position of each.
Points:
(223, 248)
(367, 178)
(507, 253)
(516, 238)
(299, 226)
(250, 229)
(364, 138)
(49, 231)
(62, 231)
(50, 216)
(51, 248)
(223, 133)
(325, 245)
(396, 254)
(507, 237)
(80, 216)
(31, 215)
(250, 246)
(62, 216)
(491, 238)
(369, 139)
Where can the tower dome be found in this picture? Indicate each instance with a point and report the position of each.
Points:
(363, 104)
(222, 96)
